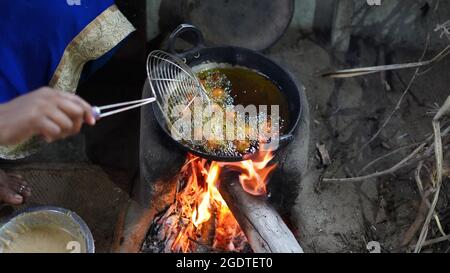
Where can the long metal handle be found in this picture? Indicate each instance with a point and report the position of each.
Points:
(98, 114)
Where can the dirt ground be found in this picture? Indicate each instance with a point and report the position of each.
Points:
(346, 216)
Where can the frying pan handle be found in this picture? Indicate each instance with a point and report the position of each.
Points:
(192, 34)
(285, 140)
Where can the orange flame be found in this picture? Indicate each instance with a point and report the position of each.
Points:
(200, 201)
(254, 173)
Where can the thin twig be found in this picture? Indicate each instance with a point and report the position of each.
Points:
(425, 196)
(373, 162)
(419, 180)
(355, 72)
(399, 102)
(415, 226)
(439, 171)
(424, 231)
(404, 162)
(436, 241)
(391, 170)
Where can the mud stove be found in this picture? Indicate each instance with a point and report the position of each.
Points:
(187, 202)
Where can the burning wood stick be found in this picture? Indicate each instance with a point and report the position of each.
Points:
(265, 230)
(208, 232)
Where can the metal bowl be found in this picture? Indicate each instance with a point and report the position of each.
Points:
(50, 216)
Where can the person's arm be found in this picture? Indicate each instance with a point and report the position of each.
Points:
(45, 112)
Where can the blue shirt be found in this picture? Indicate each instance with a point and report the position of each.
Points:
(33, 37)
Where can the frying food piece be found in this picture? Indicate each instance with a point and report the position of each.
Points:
(213, 131)
(251, 132)
(218, 86)
(242, 146)
(212, 144)
(218, 93)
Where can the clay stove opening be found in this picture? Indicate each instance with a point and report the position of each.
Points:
(249, 216)
(221, 207)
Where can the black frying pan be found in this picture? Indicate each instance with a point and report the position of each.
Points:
(199, 54)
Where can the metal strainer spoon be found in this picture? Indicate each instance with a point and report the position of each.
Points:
(173, 83)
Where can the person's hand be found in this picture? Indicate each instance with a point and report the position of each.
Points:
(45, 112)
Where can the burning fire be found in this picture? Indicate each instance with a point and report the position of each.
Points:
(254, 173)
(200, 217)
